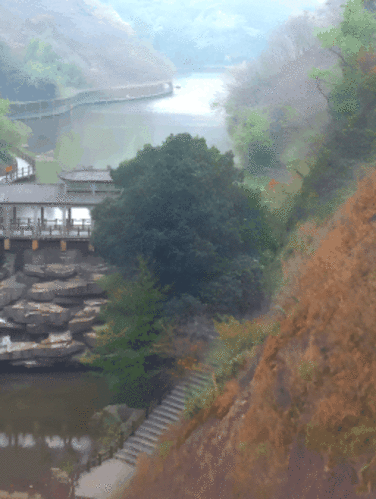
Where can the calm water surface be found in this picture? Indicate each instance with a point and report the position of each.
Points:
(43, 417)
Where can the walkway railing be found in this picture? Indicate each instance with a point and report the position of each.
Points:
(20, 173)
(37, 109)
(25, 227)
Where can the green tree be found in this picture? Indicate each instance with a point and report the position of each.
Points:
(252, 140)
(42, 62)
(182, 209)
(133, 323)
(352, 38)
(12, 133)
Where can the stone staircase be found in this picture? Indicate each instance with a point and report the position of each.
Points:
(169, 411)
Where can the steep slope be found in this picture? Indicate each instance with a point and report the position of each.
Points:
(301, 422)
(84, 33)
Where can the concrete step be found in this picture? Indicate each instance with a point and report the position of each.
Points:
(192, 380)
(179, 406)
(154, 418)
(142, 439)
(174, 401)
(202, 376)
(154, 430)
(154, 424)
(179, 394)
(138, 443)
(144, 433)
(134, 450)
(166, 413)
(127, 456)
(174, 411)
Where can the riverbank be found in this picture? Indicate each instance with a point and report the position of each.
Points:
(54, 107)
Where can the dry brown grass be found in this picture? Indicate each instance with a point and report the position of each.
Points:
(305, 425)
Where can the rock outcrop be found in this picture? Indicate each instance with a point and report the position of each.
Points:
(48, 311)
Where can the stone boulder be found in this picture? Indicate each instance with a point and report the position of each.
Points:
(54, 270)
(47, 291)
(38, 329)
(92, 287)
(59, 270)
(96, 302)
(7, 327)
(53, 338)
(58, 349)
(17, 351)
(72, 287)
(68, 302)
(33, 270)
(43, 291)
(10, 290)
(84, 319)
(90, 339)
(38, 313)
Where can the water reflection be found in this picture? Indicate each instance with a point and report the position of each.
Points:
(44, 420)
(27, 440)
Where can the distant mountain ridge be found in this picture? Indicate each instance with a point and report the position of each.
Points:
(87, 34)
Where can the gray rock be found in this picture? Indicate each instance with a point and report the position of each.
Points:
(43, 291)
(84, 319)
(90, 339)
(58, 349)
(38, 313)
(33, 270)
(68, 302)
(92, 287)
(26, 279)
(10, 290)
(59, 270)
(72, 287)
(7, 327)
(37, 329)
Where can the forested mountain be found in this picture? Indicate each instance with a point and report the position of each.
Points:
(291, 410)
(52, 45)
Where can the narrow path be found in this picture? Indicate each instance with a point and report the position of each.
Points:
(102, 480)
(22, 170)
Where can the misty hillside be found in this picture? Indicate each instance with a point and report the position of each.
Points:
(103, 47)
(291, 410)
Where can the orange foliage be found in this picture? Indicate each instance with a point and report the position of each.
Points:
(305, 425)
(366, 60)
(272, 183)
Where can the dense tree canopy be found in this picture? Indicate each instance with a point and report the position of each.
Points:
(133, 325)
(12, 133)
(183, 209)
(16, 81)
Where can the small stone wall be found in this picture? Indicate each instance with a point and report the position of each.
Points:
(50, 310)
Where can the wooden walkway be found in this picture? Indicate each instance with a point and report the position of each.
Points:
(54, 107)
(23, 228)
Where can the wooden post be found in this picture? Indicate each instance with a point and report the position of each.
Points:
(64, 221)
(7, 244)
(35, 226)
(34, 244)
(63, 245)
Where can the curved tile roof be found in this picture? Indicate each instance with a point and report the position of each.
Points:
(87, 174)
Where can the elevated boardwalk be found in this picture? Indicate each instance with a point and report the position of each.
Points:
(41, 196)
(54, 107)
(100, 481)
(84, 187)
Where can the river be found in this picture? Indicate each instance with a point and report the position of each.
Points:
(44, 416)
